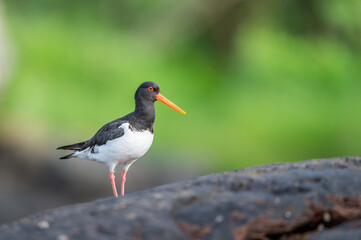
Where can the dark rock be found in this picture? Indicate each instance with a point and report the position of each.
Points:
(346, 231)
(316, 199)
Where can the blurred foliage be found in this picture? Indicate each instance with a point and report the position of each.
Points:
(261, 81)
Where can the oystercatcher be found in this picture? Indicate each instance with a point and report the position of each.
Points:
(124, 140)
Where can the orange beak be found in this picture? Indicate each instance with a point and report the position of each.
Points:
(163, 99)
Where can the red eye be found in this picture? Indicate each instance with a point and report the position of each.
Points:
(150, 89)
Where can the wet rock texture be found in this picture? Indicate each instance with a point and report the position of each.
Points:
(316, 199)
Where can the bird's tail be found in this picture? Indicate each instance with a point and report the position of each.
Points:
(75, 147)
(68, 156)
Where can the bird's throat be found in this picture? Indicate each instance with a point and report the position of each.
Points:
(145, 114)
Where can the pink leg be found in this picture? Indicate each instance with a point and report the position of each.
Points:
(123, 179)
(112, 177)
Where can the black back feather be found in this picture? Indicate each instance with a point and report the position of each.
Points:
(108, 132)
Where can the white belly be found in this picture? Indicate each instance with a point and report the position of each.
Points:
(124, 150)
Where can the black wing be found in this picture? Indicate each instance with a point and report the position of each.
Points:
(108, 132)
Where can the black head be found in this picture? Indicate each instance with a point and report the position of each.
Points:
(144, 113)
(147, 91)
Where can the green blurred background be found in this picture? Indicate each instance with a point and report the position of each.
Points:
(262, 82)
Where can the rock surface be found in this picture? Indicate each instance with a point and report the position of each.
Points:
(316, 199)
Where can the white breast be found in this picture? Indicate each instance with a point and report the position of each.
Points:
(124, 150)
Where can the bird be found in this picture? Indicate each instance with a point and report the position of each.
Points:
(124, 140)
